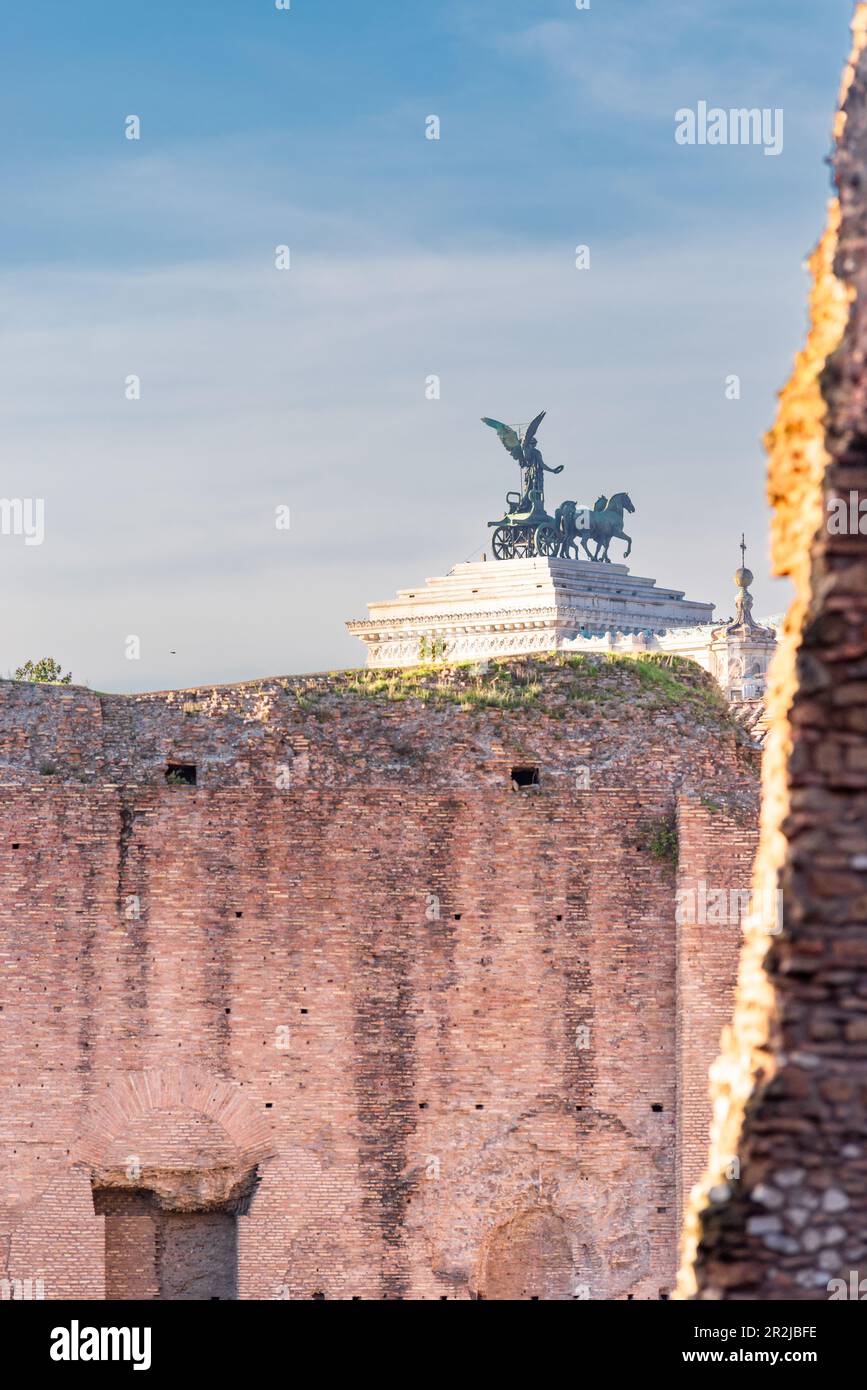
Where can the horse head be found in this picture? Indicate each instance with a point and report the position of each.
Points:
(621, 501)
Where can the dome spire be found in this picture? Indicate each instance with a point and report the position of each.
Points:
(744, 599)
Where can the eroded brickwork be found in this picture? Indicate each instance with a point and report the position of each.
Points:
(417, 1031)
(709, 930)
(791, 1084)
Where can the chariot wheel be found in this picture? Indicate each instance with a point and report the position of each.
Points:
(522, 543)
(502, 543)
(547, 539)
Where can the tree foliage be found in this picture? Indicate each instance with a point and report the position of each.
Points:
(46, 671)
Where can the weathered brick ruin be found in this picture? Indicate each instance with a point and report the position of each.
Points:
(789, 1219)
(390, 1002)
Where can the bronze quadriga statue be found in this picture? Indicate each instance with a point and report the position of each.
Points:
(526, 529)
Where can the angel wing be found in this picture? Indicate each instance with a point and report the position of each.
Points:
(530, 431)
(508, 438)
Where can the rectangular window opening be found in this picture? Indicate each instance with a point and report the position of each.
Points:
(181, 774)
(525, 777)
(154, 1252)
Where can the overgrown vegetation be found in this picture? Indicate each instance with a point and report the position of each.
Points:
(662, 839)
(548, 683)
(46, 671)
(431, 649)
(468, 685)
(725, 807)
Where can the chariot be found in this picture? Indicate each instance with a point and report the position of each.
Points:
(521, 534)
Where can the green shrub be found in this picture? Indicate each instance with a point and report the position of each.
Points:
(662, 841)
(46, 671)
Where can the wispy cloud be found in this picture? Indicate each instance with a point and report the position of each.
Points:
(307, 388)
(409, 258)
(629, 63)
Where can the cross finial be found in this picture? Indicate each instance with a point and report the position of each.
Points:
(743, 552)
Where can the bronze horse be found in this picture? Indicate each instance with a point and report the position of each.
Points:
(605, 523)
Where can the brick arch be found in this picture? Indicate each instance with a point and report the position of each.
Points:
(584, 1175)
(133, 1097)
(528, 1256)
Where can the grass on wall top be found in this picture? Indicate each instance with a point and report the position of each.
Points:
(549, 684)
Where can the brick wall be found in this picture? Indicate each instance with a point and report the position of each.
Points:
(717, 849)
(416, 1030)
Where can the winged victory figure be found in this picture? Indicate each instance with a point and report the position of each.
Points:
(525, 452)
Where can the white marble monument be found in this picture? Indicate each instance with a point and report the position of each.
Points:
(510, 607)
(495, 608)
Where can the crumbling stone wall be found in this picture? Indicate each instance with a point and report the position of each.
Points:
(790, 1089)
(416, 1032)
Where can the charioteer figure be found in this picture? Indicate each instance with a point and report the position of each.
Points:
(526, 452)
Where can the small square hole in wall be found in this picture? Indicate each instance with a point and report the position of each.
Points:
(181, 774)
(656, 1107)
(525, 777)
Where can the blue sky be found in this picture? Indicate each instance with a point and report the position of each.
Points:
(409, 257)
